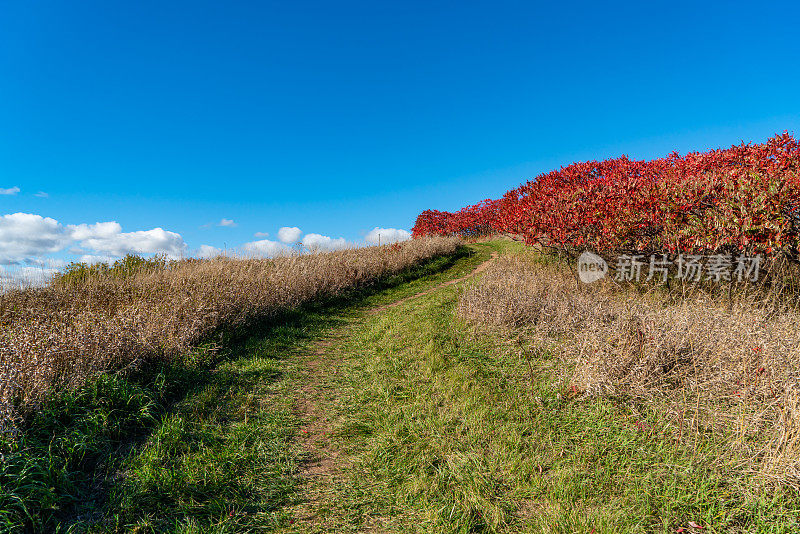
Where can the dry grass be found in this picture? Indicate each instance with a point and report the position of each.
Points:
(728, 367)
(60, 335)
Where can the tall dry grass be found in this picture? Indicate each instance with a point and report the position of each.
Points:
(730, 366)
(60, 335)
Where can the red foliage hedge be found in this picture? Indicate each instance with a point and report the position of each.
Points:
(743, 198)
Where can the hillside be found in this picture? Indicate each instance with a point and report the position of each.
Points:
(482, 391)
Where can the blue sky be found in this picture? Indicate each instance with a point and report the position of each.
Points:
(337, 117)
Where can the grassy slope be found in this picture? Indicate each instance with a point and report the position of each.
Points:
(438, 429)
(201, 445)
(446, 430)
(231, 463)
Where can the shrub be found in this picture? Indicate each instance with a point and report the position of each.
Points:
(79, 273)
(744, 198)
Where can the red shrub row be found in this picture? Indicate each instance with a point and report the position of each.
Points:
(742, 198)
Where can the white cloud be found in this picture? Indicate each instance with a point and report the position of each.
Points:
(94, 258)
(108, 237)
(46, 263)
(104, 230)
(26, 236)
(207, 251)
(261, 234)
(384, 236)
(289, 234)
(26, 277)
(37, 272)
(10, 191)
(42, 194)
(27, 240)
(227, 222)
(266, 248)
(323, 243)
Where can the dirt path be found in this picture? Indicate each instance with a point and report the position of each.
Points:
(323, 459)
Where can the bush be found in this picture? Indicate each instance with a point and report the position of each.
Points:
(744, 198)
(80, 273)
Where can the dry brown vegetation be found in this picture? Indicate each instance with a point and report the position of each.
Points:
(712, 364)
(59, 336)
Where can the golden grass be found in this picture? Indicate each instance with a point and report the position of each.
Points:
(713, 364)
(59, 336)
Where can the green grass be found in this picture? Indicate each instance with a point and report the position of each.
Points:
(447, 430)
(224, 458)
(204, 444)
(438, 271)
(438, 429)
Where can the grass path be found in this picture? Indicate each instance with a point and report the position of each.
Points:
(480, 268)
(419, 424)
(220, 442)
(323, 461)
(383, 412)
